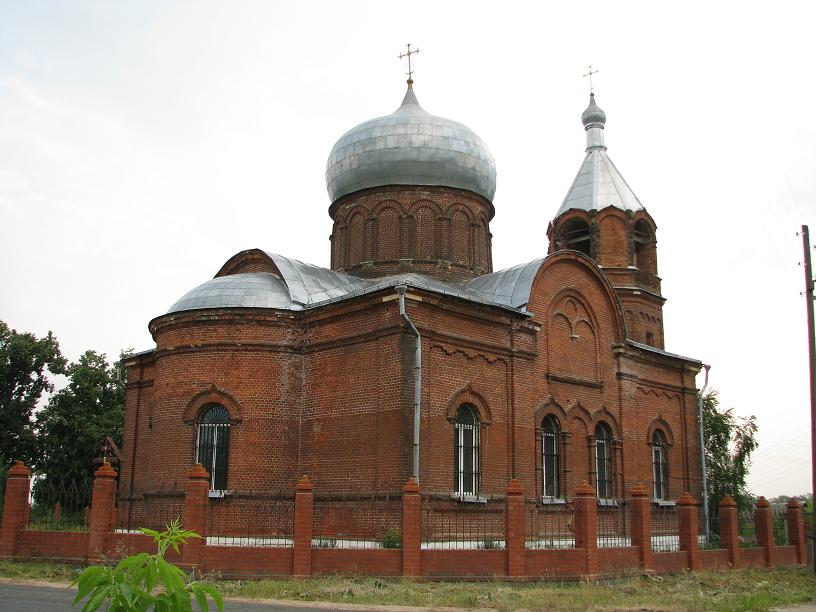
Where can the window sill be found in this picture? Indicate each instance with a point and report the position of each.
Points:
(607, 502)
(219, 494)
(553, 501)
(663, 503)
(469, 499)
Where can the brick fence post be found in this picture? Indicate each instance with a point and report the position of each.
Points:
(586, 527)
(411, 529)
(515, 530)
(15, 507)
(304, 527)
(729, 530)
(763, 525)
(103, 499)
(642, 526)
(796, 531)
(196, 500)
(688, 519)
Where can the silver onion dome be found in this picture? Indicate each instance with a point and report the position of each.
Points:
(410, 147)
(593, 113)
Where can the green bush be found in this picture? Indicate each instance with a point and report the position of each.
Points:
(130, 585)
(391, 539)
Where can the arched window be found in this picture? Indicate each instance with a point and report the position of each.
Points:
(645, 252)
(660, 466)
(550, 457)
(575, 236)
(603, 461)
(212, 444)
(466, 451)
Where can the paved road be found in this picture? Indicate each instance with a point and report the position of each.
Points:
(21, 597)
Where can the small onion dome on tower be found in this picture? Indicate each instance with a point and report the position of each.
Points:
(410, 147)
(593, 113)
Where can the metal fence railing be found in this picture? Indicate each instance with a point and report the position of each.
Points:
(450, 524)
(549, 525)
(747, 529)
(780, 526)
(153, 509)
(251, 518)
(60, 506)
(709, 539)
(614, 526)
(665, 529)
(358, 521)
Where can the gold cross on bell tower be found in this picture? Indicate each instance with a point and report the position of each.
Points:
(589, 74)
(408, 54)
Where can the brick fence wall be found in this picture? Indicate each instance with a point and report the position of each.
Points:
(432, 538)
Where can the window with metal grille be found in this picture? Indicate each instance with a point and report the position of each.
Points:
(466, 451)
(212, 444)
(550, 457)
(660, 466)
(603, 461)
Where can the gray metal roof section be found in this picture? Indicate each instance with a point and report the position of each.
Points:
(249, 290)
(410, 147)
(302, 286)
(598, 184)
(654, 349)
(510, 287)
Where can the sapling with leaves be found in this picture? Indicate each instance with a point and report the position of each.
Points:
(146, 582)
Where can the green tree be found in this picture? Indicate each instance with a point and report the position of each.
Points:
(76, 420)
(24, 360)
(729, 442)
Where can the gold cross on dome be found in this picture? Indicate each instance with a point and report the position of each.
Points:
(408, 54)
(589, 74)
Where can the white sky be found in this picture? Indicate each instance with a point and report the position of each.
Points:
(144, 143)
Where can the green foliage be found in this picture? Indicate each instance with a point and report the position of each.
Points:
(729, 442)
(76, 420)
(489, 543)
(131, 584)
(391, 539)
(24, 360)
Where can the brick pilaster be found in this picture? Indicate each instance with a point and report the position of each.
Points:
(196, 502)
(15, 507)
(102, 503)
(763, 525)
(411, 529)
(515, 529)
(586, 526)
(641, 516)
(796, 531)
(304, 527)
(729, 529)
(687, 515)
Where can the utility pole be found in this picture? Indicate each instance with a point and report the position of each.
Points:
(812, 359)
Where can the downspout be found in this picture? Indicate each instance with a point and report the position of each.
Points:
(702, 452)
(401, 289)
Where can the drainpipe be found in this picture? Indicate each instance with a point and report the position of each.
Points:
(702, 452)
(401, 289)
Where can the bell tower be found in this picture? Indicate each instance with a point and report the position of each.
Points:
(602, 218)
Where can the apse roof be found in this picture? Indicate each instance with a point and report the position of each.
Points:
(302, 286)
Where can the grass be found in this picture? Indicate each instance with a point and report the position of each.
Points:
(726, 591)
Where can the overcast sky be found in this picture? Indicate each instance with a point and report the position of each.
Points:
(144, 143)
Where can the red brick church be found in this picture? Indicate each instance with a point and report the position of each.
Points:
(551, 372)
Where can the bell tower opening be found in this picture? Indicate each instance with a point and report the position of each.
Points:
(575, 235)
(645, 252)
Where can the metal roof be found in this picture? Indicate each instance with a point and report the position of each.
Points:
(302, 286)
(410, 147)
(598, 184)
